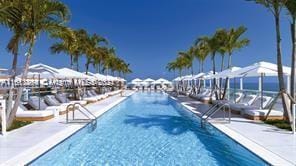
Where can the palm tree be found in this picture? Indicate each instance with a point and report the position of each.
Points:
(187, 59)
(291, 7)
(233, 43)
(214, 44)
(38, 16)
(93, 50)
(275, 7)
(68, 44)
(201, 51)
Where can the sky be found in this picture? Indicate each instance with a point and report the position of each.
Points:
(149, 33)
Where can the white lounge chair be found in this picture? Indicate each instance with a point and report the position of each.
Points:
(34, 115)
(39, 104)
(234, 98)
(62, 98)
(245, 101)
(259, 114)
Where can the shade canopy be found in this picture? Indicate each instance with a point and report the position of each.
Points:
(42, 71)
(149, 80)
(226, 73)
(187, 77)
(136, 81)
(209, 75)
(258, 69)
(199, 75)
(111, 78)
(100, 77)
(72, 74)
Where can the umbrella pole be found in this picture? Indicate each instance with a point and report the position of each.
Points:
(241, 84)
(261, 90)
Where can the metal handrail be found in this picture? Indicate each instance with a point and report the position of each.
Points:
(206, 115)
(74, 107)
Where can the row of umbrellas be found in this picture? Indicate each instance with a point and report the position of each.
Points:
(149, 81)
(42, 71)
(255, 70)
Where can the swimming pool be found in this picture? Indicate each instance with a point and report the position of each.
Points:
(148, 129)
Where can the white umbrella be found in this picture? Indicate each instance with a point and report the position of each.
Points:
(72, 74)
(226, 73)
(199, 75)
(187, 77)
(136, 81)
(257, 69)
(148, 80)
(261, 69)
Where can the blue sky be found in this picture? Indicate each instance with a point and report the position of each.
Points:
(149, 33)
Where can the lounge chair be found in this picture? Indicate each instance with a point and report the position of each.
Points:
(257, 103)
(245, 101)
(202, 94)
(39, 104)
(34, 115)
(259, 114)
(234, 98)
(62, 98)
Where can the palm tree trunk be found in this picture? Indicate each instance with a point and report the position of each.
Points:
(71, 62)
(12, 114)
(227, 79)
(202, 66)
(13, 74)
(229, 60)
(87, 66)
(287, 113)
(220, 82)
(191, 68)
(293, 62)
(214, 72)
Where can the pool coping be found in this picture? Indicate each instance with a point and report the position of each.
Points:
(263, 153)
(40, 148)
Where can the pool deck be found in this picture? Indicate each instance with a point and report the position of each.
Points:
(276, 146)
(23, 145)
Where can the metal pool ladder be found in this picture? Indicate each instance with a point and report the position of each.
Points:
(213, 110)
(90, 117)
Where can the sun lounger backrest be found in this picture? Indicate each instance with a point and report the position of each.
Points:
(62, 98)
(238, 96)
(93, 92)
(265, 101)
(248, 99)
(34, 103)
(89, 94)
(51, 100)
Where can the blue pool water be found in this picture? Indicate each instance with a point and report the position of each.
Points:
(148, 129)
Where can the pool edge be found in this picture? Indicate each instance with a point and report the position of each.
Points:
(258, 150)
(43, 147)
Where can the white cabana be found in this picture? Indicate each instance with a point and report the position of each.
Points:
(187, 78)
(72, 74)
(199, 75)
(260, 70)
(226, 73)
(149, 80)
(257, 69)
(111, 78)
(162, 81)
(100, 77)
(42, 71)
(136, 81)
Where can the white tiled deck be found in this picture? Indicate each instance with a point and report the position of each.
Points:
(21, 146)
(274, 145)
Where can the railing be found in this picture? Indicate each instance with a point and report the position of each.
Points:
(90, 117)
(213, 110)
